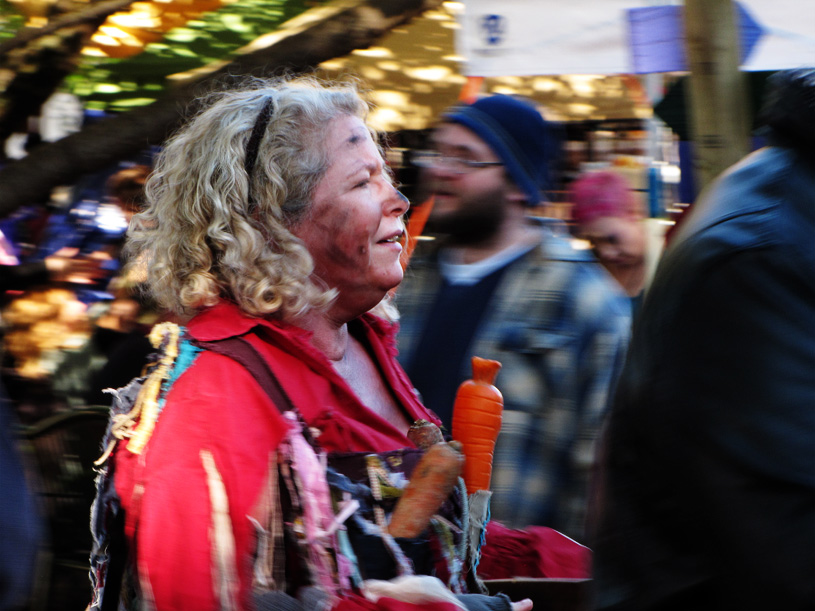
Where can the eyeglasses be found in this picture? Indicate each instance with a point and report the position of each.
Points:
(457, 165)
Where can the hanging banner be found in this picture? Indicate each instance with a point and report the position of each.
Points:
(530, 37)
(656, 38)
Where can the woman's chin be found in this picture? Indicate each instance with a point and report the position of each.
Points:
(392, 279)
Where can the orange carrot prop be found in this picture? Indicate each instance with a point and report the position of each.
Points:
(477, 421)
(469, 93)
(414, 227)
(430, 484)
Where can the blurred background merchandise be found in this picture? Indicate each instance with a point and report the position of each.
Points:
(41, 324)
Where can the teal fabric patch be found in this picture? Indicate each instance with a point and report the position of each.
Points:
(187, 353)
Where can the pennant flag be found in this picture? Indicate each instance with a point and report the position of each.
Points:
(657, 38)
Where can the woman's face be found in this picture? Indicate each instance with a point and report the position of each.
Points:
(355, 223)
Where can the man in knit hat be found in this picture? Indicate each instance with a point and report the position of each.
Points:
(500, 284)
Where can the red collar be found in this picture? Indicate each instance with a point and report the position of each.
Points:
(225, 319)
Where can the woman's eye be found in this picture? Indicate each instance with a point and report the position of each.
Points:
(363, 183)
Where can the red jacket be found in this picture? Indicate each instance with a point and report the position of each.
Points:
(217, 406)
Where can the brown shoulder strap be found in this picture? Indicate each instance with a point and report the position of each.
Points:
(240, 350)
(244, 353)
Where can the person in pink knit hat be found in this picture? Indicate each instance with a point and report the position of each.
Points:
(610, 215)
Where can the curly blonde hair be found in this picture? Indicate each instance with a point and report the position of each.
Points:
(215, 229)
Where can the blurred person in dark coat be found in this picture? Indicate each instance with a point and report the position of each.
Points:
(21, 528)
(706, 498)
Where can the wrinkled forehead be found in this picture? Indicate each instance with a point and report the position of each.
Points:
(351, 143)
(346, 133)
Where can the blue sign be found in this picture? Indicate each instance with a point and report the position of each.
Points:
(657, 38)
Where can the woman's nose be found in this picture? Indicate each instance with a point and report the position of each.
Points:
(397, 202)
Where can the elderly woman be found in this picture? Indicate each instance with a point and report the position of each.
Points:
(271, 218)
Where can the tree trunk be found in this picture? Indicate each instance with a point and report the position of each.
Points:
(323, 33)
(718, 92)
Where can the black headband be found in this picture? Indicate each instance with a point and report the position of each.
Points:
(257, 134)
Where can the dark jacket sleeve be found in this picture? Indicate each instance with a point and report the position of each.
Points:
(19, 519)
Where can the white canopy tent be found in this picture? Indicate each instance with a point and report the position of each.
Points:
(537, 37)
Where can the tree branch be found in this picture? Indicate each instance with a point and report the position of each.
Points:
(323, 33)
(97, 11)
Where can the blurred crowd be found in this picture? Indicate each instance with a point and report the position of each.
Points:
(67, 306)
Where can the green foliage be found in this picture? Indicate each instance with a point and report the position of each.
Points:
(121, 84)
(10, 20)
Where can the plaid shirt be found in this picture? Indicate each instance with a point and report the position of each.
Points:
(560, 326)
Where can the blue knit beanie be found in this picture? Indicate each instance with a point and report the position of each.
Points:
(518, 134)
